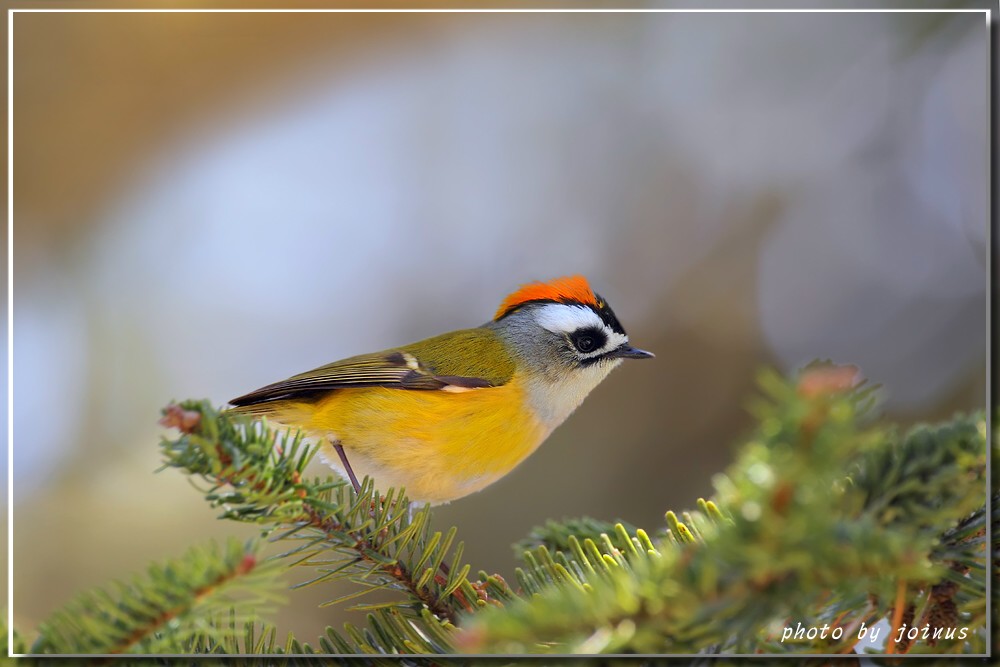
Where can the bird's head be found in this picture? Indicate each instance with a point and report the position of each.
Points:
(562, 328)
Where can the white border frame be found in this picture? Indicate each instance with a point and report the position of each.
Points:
(10, 302)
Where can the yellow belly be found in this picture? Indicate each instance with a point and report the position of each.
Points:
(439, 445)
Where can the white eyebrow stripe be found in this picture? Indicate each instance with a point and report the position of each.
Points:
(565, 319)
(562, 318)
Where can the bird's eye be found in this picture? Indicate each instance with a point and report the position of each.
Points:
(587, 340)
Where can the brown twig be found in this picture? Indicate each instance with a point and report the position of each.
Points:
(897, 614)
(245, 566)
(394, 570)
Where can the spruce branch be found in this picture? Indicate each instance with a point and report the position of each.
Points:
(833, 519)
(256, 474)
(555, 535)
(167, 607)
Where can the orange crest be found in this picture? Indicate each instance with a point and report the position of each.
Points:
(571, 289)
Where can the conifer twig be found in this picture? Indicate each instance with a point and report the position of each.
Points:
(244, 567)
(165, 607)
(364, 548)
(264, 470)
(897, 615)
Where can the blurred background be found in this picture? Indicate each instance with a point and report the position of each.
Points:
(206, 203)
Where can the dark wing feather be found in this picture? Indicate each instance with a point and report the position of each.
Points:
(395, 369)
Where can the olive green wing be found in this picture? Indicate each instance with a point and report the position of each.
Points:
(469, 359)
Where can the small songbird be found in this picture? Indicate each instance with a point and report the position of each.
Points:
(450, 415)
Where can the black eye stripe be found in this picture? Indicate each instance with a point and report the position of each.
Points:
(588, 339)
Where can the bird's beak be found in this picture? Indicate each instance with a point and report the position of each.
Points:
(628, 352)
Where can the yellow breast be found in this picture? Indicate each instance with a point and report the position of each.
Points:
(439, 445)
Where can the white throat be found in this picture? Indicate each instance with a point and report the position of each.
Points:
(555, 400)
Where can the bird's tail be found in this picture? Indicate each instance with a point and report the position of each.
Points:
(292, 414)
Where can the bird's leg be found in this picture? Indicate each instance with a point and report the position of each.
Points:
(347, 466)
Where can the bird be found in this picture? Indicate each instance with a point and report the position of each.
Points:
(449, 415)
